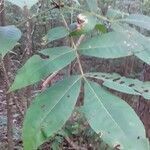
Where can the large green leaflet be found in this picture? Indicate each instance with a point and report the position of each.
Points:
(122, 84)
(138, 20)
(113, 119)
(37, 68)
(23, 3)
(56, 33)
(9, 35)
(49, 112)
(109, 45)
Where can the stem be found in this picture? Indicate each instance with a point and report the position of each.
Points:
(75, 46)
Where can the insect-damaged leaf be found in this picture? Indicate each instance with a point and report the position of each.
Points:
(122, 84)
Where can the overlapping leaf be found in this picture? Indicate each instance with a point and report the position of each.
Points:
(22, 3)
(113, 119)
(138, 20)
(37, 68)
(122, 84)
(9, 35)
(49, 112)
(109, 45)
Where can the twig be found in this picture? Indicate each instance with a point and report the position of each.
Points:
(75, 46)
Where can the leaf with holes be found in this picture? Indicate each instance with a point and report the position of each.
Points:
(23, 3)
(9, 35)
(49, 112)
(56, 33)
(107, 46)
(113, 119)
(37, 68)
(122, 84)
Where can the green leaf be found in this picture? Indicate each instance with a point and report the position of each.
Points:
(101, 28)
(137, 39)
(114, 14)
(49, 112)
(138, 20)
(113, 119)
(144, 56)
(37, 68)
(23, 3)
(56, 33)
(122, 84)
(109, 45)
(92, 5)
(9, 35)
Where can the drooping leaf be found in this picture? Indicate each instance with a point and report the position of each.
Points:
(122, 84)
(23, 3)
(9, 35)
(37, 68)
(56, 33)
(113, 119)
(49, 112)
(92, 5)
(109, 45)
(138, 20)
